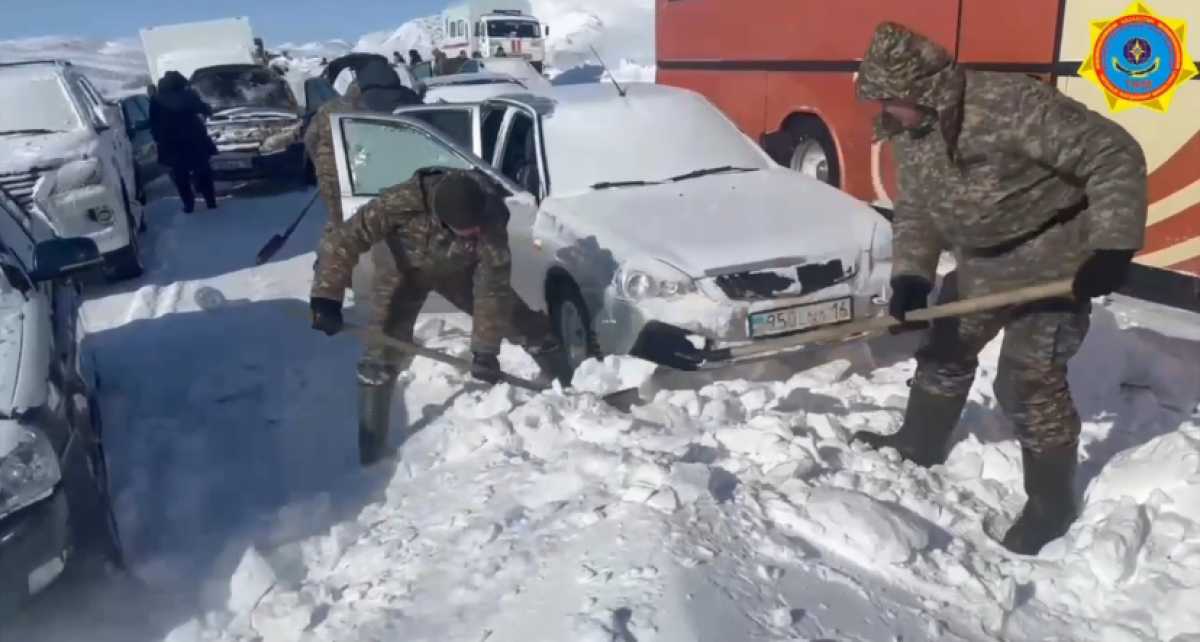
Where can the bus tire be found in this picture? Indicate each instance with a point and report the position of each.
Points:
(808, 148)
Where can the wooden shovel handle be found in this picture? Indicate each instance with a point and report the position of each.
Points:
(1052, 290)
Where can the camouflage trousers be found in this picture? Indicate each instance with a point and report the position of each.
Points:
(397, 298)
(1031, 380)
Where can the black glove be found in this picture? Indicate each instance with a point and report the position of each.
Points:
(908, 293)
(486, 368)
(1102, 273)
(326, 315)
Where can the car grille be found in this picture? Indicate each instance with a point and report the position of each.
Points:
(776, 283)
(19, 186)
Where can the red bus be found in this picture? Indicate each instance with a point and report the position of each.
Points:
(783, 70)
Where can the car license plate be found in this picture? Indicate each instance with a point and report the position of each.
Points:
(801, 317)
(232, 163)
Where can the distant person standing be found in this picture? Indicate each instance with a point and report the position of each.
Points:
(397, 59)
(414, 57)
(177, 123)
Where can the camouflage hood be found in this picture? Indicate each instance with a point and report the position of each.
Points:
(903, 65)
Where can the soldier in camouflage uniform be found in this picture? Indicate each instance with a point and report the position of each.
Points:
(1023, 185)
(376, 88)
(443, 231)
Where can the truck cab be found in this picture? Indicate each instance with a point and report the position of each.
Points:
(495, 29)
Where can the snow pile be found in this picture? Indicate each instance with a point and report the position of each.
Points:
(734, 511)
(622, 31)
(116, 67)
(422, 34)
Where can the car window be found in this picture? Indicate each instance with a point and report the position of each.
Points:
(493, 118)
(50, 106)
(136, 111)
(454, 123)
(382, 154)
(470, 67)
(519, 158)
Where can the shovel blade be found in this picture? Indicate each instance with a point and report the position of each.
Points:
(269, 250)
(623, 400)
(667, 346)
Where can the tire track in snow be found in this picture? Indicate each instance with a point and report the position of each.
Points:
(153, 301)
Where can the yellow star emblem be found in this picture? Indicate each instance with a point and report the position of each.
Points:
(1139, 73)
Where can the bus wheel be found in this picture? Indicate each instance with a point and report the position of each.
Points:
(812, 152)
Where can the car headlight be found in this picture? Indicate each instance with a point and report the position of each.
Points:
(78, 174)
(28, 467)
(651, 280)
(280, 141)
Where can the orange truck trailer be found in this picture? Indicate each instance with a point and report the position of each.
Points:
(783, 70)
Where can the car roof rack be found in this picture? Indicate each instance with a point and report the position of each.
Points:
(58, 62)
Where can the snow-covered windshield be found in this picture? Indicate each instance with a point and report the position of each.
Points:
(243, 87)
(35, 105)
(652, 135)
(513, 29)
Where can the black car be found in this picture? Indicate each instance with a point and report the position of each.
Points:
(54, 495)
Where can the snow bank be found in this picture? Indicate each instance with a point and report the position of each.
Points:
(116, 67)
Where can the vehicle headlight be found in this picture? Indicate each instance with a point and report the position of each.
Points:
(28, 467)
(280, 140)
(651, 280)
(78, 174)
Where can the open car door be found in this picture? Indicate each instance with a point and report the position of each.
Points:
(375, 152)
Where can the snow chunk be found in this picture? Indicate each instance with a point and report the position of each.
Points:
(250, 582)
(856, 525)
(283, 617)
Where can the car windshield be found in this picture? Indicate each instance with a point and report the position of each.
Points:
(691, 139)
(513, 29)
(35, 105)
(225, 89)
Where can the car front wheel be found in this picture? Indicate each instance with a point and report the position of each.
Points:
(572, 324)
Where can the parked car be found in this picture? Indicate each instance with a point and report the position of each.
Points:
(146, 169)
(698, 230)
(54, 495)
(65, 153)
(340, 72)
(472, 87)
(518, 68)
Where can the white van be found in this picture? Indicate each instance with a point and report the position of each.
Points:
(494, 28)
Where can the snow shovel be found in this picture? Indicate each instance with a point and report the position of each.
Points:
(273, 246)
(622, 400)
(668, 346)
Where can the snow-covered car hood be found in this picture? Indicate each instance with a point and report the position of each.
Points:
(22, 153)
(721, 221)
(244, 114)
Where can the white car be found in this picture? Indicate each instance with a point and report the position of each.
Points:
(54, 494)
(646, 207)
(64, 153)
(518, 68)
(472, 87)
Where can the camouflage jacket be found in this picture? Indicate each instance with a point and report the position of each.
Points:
(318, 140)
(421, 244)
(997, 160)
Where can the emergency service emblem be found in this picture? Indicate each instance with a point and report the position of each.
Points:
(1138, 59)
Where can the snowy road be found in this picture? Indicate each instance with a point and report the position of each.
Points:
(720, 510)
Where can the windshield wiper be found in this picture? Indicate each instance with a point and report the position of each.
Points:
(611, 184)
(12, 132)
(712, 170)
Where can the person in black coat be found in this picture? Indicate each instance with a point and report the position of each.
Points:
(177, 124)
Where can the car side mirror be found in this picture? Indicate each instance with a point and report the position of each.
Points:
(61, 258)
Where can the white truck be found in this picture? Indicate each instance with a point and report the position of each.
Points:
(492, 28)
(258, 120)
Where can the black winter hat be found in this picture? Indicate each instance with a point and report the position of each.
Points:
(460, 202)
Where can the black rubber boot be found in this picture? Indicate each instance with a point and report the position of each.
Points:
(925, 435)
(374, 409)
(1050, 508)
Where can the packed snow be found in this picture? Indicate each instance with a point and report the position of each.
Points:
(726, 506)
